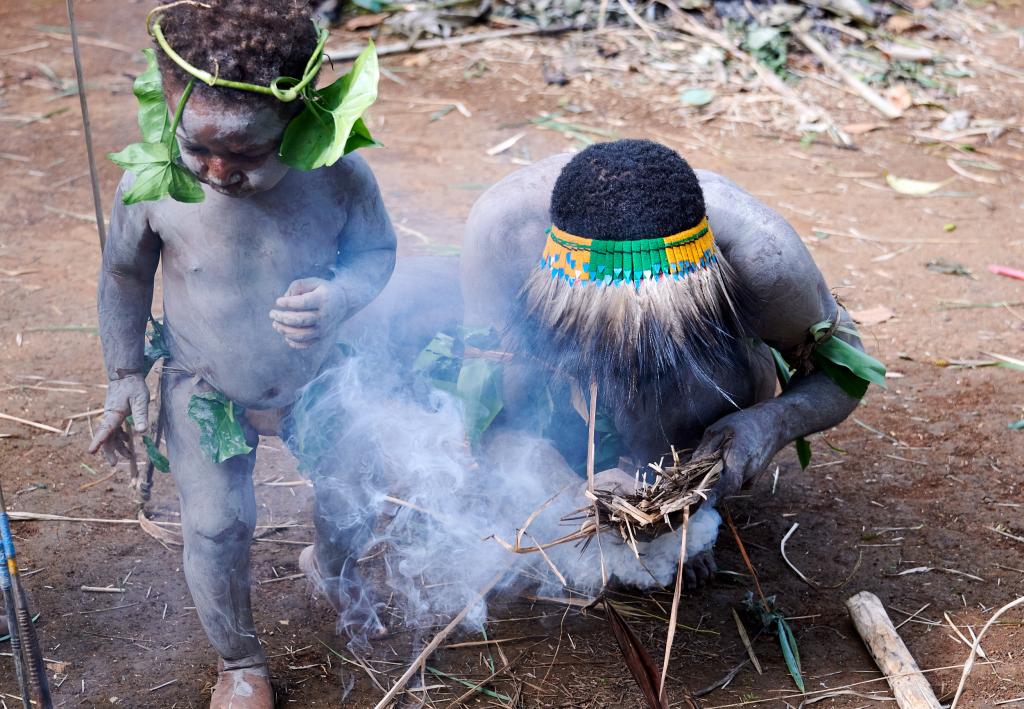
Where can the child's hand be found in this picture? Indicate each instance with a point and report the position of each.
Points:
(311, 309)
(128, 394)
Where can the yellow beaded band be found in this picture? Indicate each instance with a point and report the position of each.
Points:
(575, 258)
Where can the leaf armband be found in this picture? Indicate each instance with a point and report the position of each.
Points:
(850, 368)
(220, 432)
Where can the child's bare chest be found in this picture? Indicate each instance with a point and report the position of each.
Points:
(226, 239)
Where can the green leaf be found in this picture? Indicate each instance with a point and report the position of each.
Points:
(475, 687)
(156, 347)
(184, 187)
(140, 155)
(320, 135)
(360, 138)
(479, 388)
(843, 355)
(782, 368)
(760, 37)
(847, 380)
(158, 459)
(220, 434)
(803, 452)
(155, 161)
(157, 175)
(438, 360)
(476, 381)
(697, 97)
(790, 653)
(154, 119)
(1017, 425)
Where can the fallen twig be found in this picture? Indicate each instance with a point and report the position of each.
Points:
(969, 665)
(866, 92)
(350, 53)
(398, 686)
(33, 424)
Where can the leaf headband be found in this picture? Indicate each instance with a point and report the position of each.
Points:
(329, 127)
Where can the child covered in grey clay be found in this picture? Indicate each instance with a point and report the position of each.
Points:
(260, 268)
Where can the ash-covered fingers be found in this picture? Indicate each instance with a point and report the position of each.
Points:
(293, 318)
(140, 409)
(303, 299)
(111, 421)
(299, 337)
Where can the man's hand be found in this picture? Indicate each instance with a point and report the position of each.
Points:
(748, 440)
(126, 395)
(310, 310)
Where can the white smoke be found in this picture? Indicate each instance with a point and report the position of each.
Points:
(371, 437)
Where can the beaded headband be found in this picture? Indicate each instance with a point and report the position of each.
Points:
(575, 258)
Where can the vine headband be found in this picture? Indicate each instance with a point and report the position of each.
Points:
(274, 89)
(329, 126)
(604, 262)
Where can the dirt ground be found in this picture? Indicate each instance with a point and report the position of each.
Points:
(919, 477)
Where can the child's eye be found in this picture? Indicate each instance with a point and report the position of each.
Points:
(251, 157)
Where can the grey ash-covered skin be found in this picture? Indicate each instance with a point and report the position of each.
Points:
(784, 294)
(256, 281)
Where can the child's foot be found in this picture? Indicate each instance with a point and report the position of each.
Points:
(242, 688)
(356, 617)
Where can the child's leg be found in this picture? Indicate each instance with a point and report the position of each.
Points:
(218, 515)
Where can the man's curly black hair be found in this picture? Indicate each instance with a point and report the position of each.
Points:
(626, 190)
(254, 41)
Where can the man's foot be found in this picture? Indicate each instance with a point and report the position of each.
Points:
(242, 688)
(355, 615)
(698, 571)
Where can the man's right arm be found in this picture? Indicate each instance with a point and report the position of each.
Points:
(130, 259)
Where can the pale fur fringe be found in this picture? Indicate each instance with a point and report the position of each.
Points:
(633, 335)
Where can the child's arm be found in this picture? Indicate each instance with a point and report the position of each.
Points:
(313, 308)
(130, 260)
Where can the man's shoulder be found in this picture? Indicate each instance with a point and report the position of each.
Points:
(518, 203)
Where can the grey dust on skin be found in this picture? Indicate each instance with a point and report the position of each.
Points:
(781, 294)
(262, 272)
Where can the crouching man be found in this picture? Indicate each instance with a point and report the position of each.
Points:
(666, 288)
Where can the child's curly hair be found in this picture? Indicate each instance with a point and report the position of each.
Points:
(254, 41)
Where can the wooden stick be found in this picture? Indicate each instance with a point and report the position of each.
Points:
(33, 424)
(909, 686)
(349, 53)
(398, 686)
(675, 603)
(867, 93)
(87, 127)
(591, 456)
